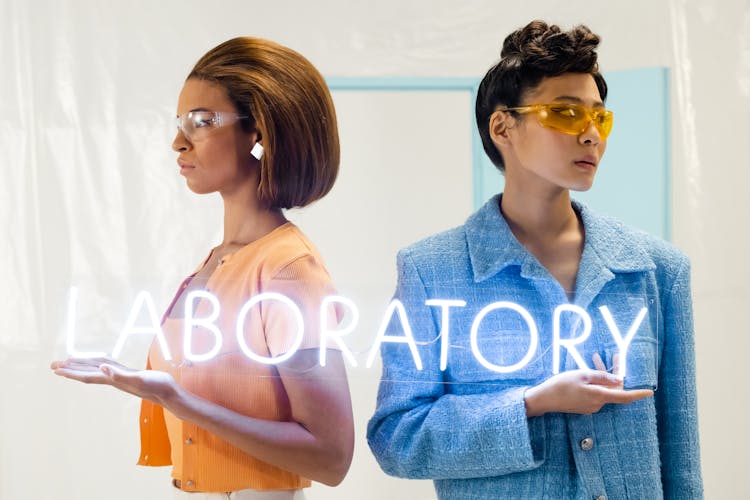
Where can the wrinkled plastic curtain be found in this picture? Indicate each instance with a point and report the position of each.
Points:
(19, 215)
(85, 186)
(89, 195)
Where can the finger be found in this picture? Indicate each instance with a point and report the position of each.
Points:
(79, 366)
(110, 362)
(88, 361)
(77, 362)
(60, 363)
(621, 396)
(594, 377)
(113, 371)
(85, 377)
(77, 369)
(94, 361)
(598, 363)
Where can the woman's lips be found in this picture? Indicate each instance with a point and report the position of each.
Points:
(184, 167)
(586, 161)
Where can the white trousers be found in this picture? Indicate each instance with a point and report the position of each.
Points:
(241, 495)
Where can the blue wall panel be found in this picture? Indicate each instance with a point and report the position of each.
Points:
(633, 182)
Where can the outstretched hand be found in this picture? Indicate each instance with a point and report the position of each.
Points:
(581, 391)
(153, 385)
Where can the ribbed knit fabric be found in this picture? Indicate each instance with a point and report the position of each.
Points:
(285, 262)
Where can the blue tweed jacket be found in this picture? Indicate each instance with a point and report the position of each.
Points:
(465, 426)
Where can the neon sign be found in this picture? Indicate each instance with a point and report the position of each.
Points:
(395, 310)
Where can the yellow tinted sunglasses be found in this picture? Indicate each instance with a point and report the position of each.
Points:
(571, 119)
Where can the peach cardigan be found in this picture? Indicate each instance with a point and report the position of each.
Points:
(284, 261)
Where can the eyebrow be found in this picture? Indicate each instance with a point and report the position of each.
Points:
(597, 104)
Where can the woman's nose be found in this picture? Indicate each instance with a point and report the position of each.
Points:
(180, 142)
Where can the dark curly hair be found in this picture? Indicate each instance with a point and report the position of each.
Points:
(530, 54)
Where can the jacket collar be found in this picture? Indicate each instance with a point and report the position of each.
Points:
(609, 245)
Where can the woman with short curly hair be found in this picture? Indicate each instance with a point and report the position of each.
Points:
(592, 393)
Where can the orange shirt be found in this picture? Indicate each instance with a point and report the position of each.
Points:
(283, 261)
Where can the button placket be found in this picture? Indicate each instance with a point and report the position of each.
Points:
(189, 451)
(583, 436)
(587, 444)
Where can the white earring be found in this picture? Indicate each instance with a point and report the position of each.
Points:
(257, 151)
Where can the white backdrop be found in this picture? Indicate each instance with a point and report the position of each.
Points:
(91, 196)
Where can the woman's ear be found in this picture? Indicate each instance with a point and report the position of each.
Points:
(257, 150)
(500, 124)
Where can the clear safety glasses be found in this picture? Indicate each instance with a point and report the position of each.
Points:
(571, 119)
(197, 125)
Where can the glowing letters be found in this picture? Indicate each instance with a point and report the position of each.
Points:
(207, 323)
(336, 335)
(241, 324)
(444, 326)
(70, 339)
(406, 338)
(569, 344)
(329, 336)
(533, 333)
(623, 344)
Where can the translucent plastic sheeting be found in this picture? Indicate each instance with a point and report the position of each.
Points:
(90, 194)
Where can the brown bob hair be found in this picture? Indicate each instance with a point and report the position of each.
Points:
(289, 104)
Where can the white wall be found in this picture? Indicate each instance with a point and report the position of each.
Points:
(90, 196)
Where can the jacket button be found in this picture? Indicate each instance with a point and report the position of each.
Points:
(587, 444)
(189, 483)
(188, 441)
(601, 497)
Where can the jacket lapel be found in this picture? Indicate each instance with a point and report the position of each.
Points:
(608, 249)
(492, 246)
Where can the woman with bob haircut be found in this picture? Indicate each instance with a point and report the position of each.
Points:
(574, 422)
(255, 416)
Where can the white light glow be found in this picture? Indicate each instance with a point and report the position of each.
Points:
(70, 339)
(406, 338)
(533, 334)
(336, 335)
(623, 344)
(207, 323)
(333, 335)
(241, 322)
(154, 328)
(569, 343)
(444, 304)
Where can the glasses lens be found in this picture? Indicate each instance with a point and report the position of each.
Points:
(198, 124)
(604, 122)
(565, 117)
(574, 120)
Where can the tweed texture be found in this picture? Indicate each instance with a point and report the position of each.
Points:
(466, 428)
